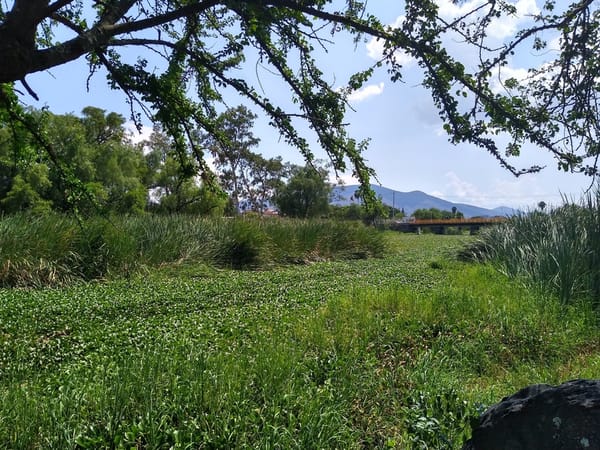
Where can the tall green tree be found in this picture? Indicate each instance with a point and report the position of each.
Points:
(248, 177)
(23, 196)
(92, 149)
(232, 147)
(24, 178)
(262, 179)
(555, 107)
(171, 189)
(306, 194)
(119, 165)
(102, 127)
(95, 149)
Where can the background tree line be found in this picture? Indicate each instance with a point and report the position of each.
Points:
(117, 175)
(437, 214)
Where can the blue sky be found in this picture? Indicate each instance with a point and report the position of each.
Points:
(408, 148)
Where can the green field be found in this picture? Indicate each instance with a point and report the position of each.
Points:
(393, 352)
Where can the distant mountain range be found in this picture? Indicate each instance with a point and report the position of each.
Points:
(410, 201)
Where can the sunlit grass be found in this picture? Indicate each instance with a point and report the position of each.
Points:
(396, 352)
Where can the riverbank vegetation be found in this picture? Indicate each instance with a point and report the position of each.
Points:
(557, 251)
(57, 249)
(393, 352)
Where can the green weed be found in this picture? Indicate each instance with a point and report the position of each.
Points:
(396, 352)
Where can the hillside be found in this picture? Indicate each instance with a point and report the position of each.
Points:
(410, 201)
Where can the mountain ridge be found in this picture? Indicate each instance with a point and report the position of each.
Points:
(412, 200)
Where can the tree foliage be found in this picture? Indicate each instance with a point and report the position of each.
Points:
(437, 214)
(204, 42)
(248, 177)
(171, 189)
(92, 149)
(114, 174)
(306, 194)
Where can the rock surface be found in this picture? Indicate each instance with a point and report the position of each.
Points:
(542, 417)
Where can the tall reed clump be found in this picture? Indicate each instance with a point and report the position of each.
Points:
(558, 251)
(37, 250)
(313, 240)
(175, 238)
(57, 249)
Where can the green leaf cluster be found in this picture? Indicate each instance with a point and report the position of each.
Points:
(93, 149)
(306, 194)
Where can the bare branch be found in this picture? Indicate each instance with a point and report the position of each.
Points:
(51, 9)
(29, 90)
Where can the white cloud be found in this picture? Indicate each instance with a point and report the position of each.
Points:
(555, 43)
(460, 191)
(210, 162)
(521, 74)
(346, 179)
(138, 136)
(375, 47)
(508, 25)
(521, 193)
(507, 72)
(499, 28)
(448, 9)
(366, 92)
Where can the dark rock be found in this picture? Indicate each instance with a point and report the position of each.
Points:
(542, 417)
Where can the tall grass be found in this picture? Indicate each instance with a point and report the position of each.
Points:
(558, 251)
(54, 250)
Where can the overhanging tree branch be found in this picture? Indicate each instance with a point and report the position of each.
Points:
(555, 108)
